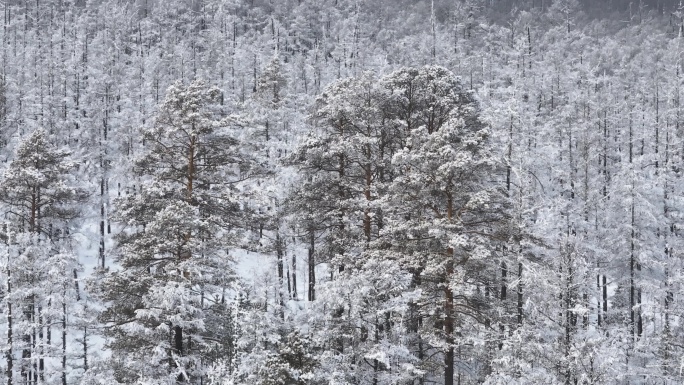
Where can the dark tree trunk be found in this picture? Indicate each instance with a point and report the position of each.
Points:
(10, 342)
(281, 270)
(178, 347)
(449, 307)
(178, 340)
(312, 266)
(504, 283)
(64, 344)
(520, 294)
(449, 329)
(294, 276)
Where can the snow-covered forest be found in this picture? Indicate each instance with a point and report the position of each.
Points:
(368, 192)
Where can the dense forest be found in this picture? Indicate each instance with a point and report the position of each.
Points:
(341, 192)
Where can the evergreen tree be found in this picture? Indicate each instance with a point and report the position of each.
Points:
(377, 148)
(445, 213)
(173, 247)
(40, 195)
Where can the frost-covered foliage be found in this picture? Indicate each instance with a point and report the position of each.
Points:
(39, 268)
(359, 323)
(166, 300)
(341, 207)
(401, 172)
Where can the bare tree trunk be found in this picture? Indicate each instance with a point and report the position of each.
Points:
(312, 266)
(503, 294)
(289, 283)
(102, 223)
(449, 308)
(520, 294)
(85, 348)
(64, 340)
(178, 347)
(10, 341)
(41, 344)
(449, 327)
(294, 276)
(281, 270)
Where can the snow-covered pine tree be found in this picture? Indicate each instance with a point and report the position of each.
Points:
(400, 175)
(271, 84)
(172, 250)
(39, 195)
(270, 112)
(343, 160)
(444, 211)
(345, 164)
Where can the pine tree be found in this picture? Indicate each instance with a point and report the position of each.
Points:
(172, 250)
(270, 87)
(40, 196)
(344, 160)
(398, 172)
(445, 213)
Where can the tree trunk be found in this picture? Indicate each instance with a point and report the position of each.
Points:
(85, 348)
(26, 372)
(64, 341)
(503, 294)
(294, 276)
(102, 223)
(449, 327)
(10, 342)
(632, 284)
(520, 294)
(41, 344)
(312, 266)
(367, 194)
(289, 283)
(599, 315)
(341, 173)
(178, 347)
(279, 254)
(449, 307)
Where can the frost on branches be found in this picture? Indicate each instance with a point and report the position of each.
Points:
(168, 291)
(39, 269)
